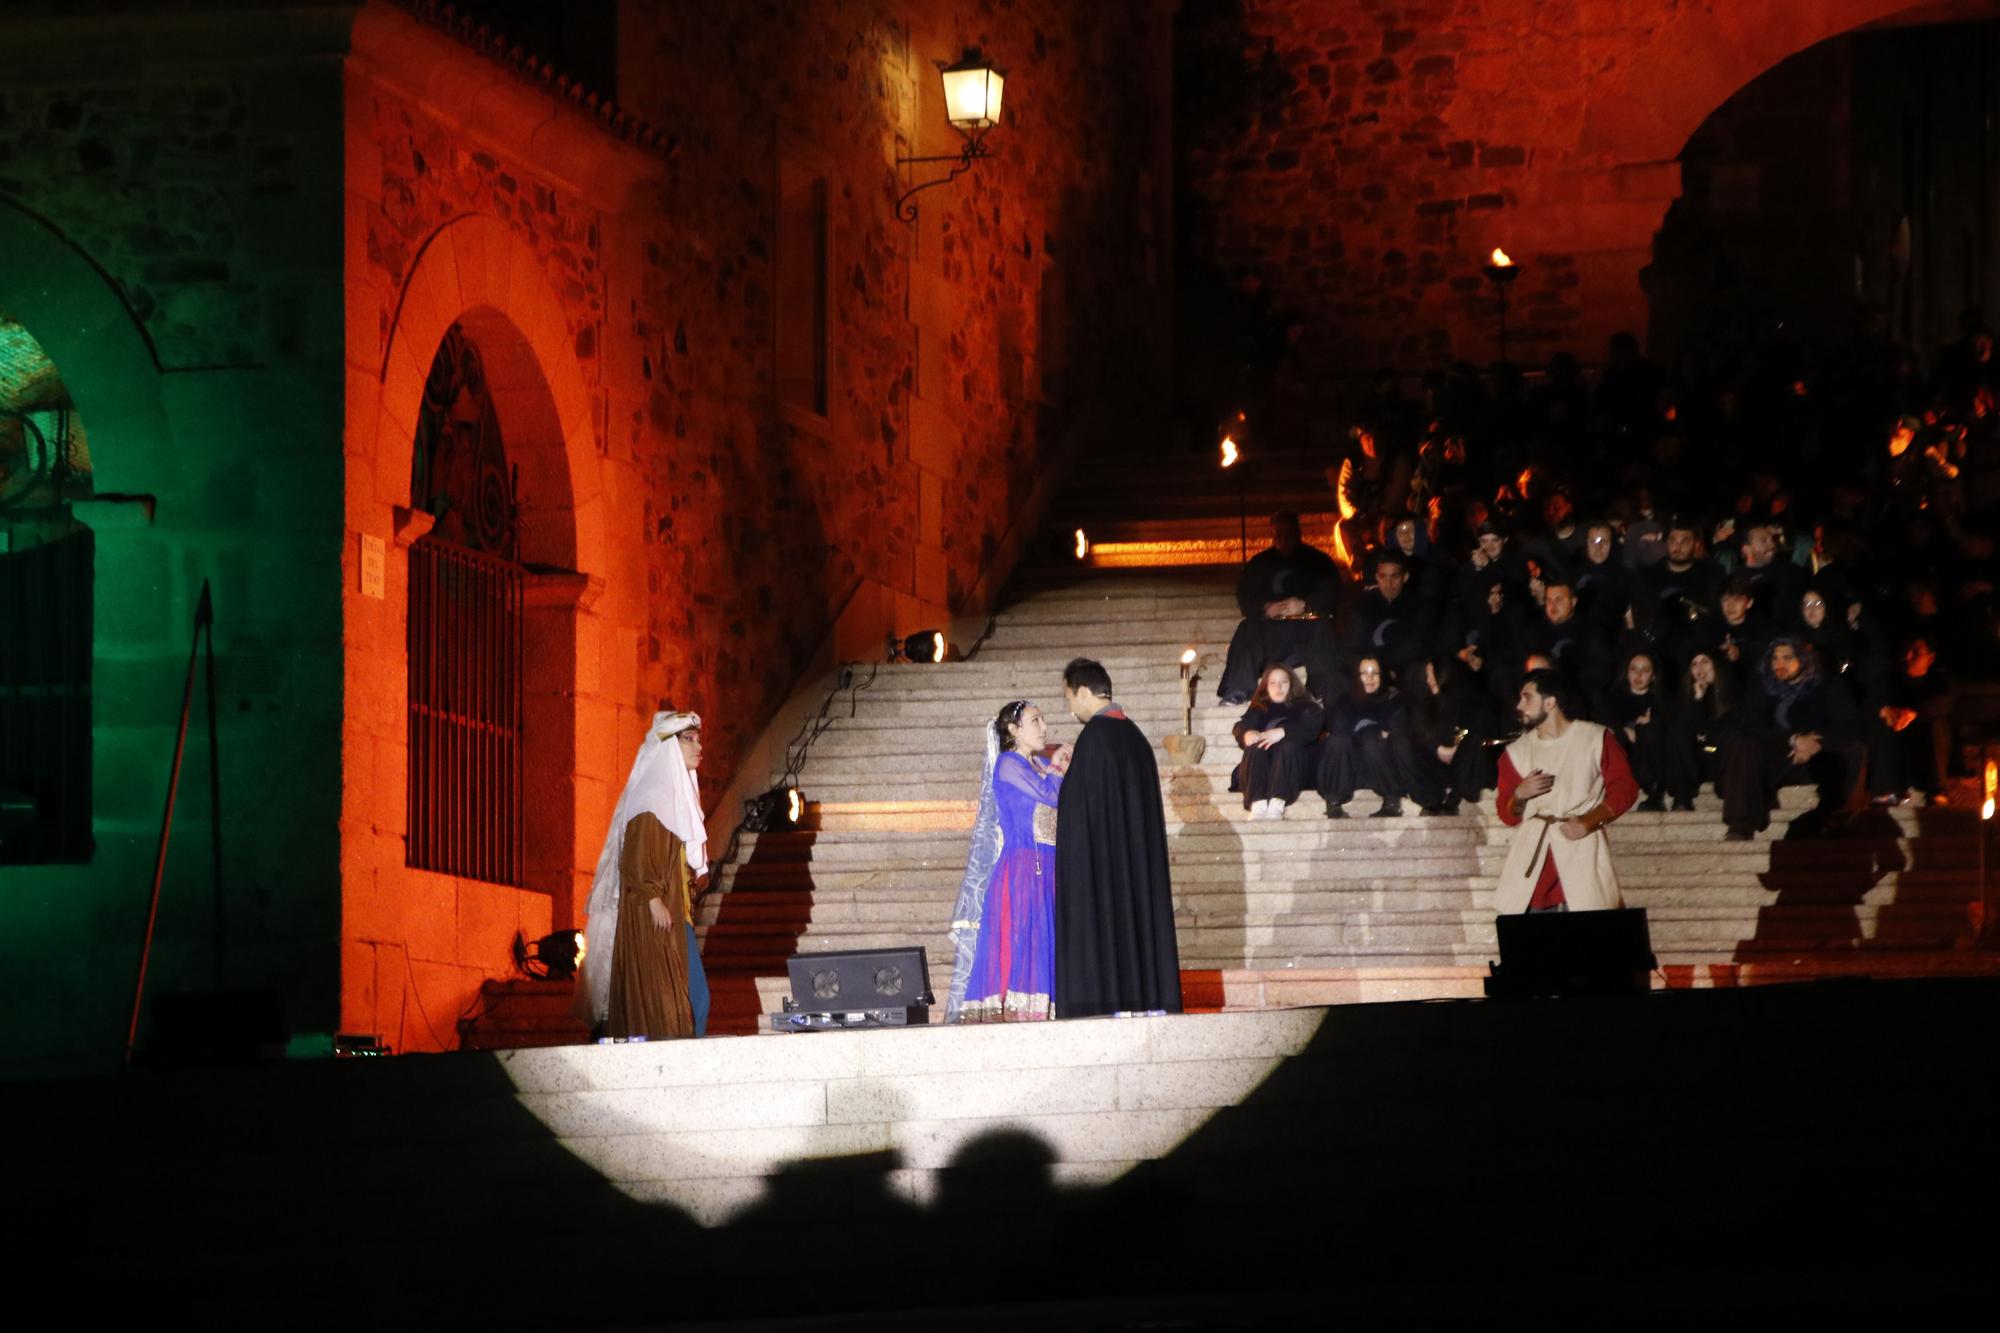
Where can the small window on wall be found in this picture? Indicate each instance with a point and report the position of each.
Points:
(47, 572)
(804, 282)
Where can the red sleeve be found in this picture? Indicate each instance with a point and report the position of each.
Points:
(1509, 780)
(1621, 789)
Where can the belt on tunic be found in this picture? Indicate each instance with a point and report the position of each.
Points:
(1541, 840)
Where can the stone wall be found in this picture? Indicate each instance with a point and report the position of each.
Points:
(724, 534)
(1359, 158)
(172, 239)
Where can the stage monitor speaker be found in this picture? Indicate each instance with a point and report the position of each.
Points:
(218, 1028)
(858, 981)
(1572, 953)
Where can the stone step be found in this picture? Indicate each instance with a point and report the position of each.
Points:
(1429, 933)
(823, 904)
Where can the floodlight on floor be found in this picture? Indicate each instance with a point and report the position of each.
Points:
(774, 811)
(553, 957)
(926, 645)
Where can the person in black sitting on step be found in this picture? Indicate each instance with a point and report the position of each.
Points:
(1701, 725)
(1574, 645)
(1908, 739)
(1391, 623)
(1442, 751)
(1357, 752)
(1277, 734)
(1639, 709)
(1796, 726)
(1278, 588)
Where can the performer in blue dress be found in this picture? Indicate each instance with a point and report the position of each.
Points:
(1003, 927)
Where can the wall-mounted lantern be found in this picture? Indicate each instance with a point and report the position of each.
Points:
(972, 89)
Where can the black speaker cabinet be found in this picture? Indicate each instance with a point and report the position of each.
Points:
(1573, 953)
(858, 980)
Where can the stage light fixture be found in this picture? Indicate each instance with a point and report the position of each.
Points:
(926, 645)
(774, 811)
(553, 957)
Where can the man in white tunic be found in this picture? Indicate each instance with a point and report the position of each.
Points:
(1561, 782)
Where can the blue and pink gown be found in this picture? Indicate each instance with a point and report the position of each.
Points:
(1014, 962)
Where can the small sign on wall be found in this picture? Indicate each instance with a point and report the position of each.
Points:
(374, 567)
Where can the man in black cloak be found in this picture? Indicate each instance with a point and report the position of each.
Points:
(1115, 945)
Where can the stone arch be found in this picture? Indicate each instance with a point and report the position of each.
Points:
(78, 316)
(475, 271)
(1652, 99)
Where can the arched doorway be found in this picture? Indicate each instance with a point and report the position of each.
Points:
(518, 551)
(465, 633)
(47, 587)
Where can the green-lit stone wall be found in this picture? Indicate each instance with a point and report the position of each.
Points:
(174, 242)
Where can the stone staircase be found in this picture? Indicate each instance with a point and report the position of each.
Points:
(1301, 911)
(1270, 914)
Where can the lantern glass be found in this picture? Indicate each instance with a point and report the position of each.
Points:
(972, 95)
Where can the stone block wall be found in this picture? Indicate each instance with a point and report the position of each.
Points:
(1360, 158)
(171, 237)
(721, 533)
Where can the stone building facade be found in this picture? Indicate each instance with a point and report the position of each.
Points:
(752, 422)
(1360, 158)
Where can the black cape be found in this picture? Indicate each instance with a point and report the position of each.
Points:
(1115, 946)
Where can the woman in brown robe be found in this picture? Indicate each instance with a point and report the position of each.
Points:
(649, 955)
(640, 966)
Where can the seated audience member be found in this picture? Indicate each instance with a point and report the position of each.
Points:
(1639, 709)
(1908, 735)
(1604, 586)
(1843, 651)
(1486, 639)
(1559, 545)
(1773, 579)
(1736, 637)
(1278, 733)
(1429, 577)
(1443, 748)
(1795, 726)
(1701, 725)
(1280, 585)
(1492, 560)
(1678, 592)
(1390, 623)
(1573, 645)
(1356, 752)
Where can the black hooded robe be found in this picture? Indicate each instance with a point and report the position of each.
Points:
(1115, 945)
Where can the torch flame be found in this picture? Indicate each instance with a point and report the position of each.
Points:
(1992, 788)
(1347, 511)
(582, 946)
(1500, 259)
(796, 804)
(1229, 454)
(1082, 545)
(937, 647)
(1187, 658)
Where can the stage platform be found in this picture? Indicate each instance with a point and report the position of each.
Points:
(1755, 1152)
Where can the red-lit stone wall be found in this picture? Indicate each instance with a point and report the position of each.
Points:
(1365, 155)
(720, 533)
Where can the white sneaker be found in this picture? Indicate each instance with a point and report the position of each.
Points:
(1277, 808)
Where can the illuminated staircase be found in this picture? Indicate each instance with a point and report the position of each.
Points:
(1303, 911)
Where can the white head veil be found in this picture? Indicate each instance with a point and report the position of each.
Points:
(662, 785)
(981, 856)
